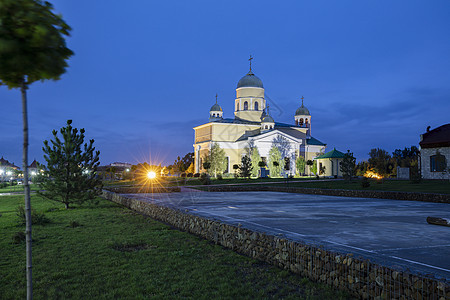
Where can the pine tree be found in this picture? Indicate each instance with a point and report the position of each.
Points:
(348, 165)
(245, 168)
(70, 174)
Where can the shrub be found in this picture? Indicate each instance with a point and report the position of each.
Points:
(37, 218)
(205, 179)
(197, 175)
(190, 175)
(365, 182)
(183, 175)
(219, 177)
(18, 237)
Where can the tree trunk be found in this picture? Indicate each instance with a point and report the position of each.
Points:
(23, 90)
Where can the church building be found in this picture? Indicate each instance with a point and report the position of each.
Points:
(253, 125)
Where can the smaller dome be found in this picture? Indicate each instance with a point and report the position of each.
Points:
(268, 119)
(216, 107)
(302, 110)
(250, 80)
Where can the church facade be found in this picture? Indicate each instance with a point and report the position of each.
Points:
(253, 125)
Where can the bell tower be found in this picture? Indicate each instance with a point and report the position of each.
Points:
(249, 103)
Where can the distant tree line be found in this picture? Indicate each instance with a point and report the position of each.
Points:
(382, 162)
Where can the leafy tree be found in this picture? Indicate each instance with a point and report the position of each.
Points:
(191, 168)
(274, 161)
(236, 168)
(32, 48)
(348, 165)
(379, 161)
(283, 145)
(407, 158)
(245, 169)
(112, 172)
(70, 174)
(313, 167)
(361, 168)
(309, 163)
(217, 159)
(187, 160)
(300, 163)
(206, 163)
(255, 158)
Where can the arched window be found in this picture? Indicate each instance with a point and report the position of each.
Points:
(214, 115)
(256, 105)
(270, 126)
(245, 105)
(266, 127)
(300, 122)
(296, 122)
(237, 107)
(306, 122)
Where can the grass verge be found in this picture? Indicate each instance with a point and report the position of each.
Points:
(107, 251)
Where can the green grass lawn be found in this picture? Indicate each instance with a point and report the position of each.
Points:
(18, 188)
(116, 253)
(426, 186)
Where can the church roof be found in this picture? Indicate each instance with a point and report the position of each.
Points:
(315, 142)
(438, 137)
(250, 80)
(237, 121)
(33, 164)
(268, 119)
(332, 154)
(302, 110)
(6, 163)
(216, 107)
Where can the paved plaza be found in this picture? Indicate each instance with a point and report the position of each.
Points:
(392, 232)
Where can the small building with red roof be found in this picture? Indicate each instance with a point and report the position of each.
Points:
(435, 153)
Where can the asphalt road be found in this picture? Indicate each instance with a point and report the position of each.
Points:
(391, 232)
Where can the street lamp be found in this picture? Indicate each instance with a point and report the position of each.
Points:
(151, 175)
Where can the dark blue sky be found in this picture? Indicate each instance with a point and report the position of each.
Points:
(373, 73)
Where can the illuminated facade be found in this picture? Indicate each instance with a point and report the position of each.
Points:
(252, 124)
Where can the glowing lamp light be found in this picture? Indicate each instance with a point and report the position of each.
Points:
(151, 175)
(371, 174)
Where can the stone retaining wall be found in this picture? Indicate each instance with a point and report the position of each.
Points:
(142, 189)
(359, 277)
(426, 197)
